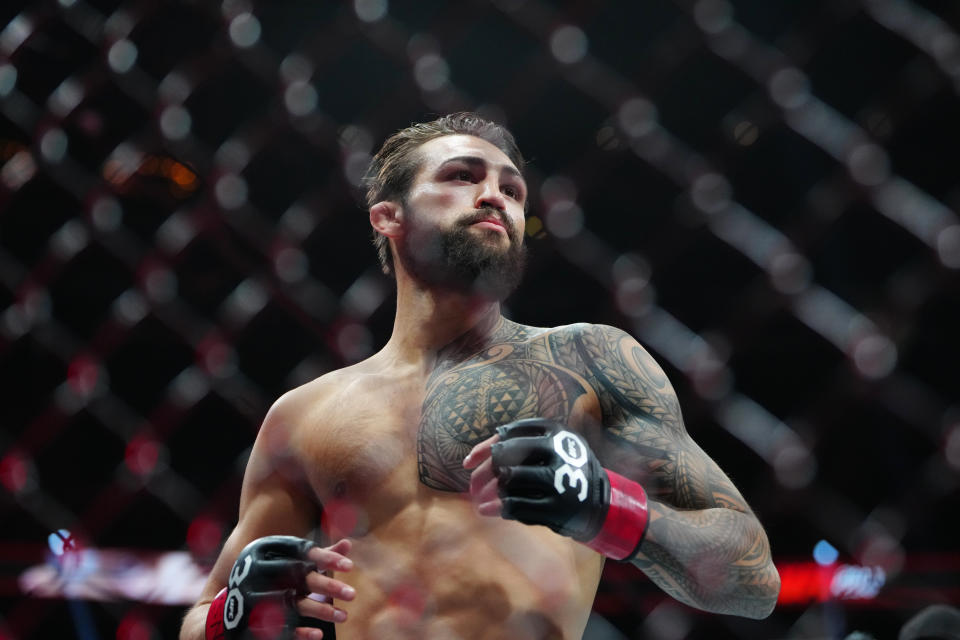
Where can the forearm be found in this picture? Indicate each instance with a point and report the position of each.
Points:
(714, 559)
(194, 623)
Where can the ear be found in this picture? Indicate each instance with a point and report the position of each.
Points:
(386, 218)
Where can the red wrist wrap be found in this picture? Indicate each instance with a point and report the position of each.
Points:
(215, 629)
(626, 520)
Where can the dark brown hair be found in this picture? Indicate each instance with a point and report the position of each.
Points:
(393, 169)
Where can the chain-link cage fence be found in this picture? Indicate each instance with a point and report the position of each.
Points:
(764, 193)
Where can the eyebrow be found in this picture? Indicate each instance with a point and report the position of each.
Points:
(474, 161)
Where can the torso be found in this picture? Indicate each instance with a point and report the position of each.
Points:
(384, 456)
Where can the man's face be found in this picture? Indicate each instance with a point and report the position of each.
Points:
(463, 219)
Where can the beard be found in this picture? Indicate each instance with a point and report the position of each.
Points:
(463, 261)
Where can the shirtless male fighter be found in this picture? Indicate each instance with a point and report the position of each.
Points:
(475, 473)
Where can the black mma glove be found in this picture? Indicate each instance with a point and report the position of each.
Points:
(549, 476)
(267, 579)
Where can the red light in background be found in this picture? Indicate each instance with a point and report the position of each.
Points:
(215, 356)
(14, 472)
(133, 627)
(203, 536)
(141, 455)
(83, 373)
(805, 582)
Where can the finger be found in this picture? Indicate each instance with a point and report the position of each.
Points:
(493, 508)
(330, 587)
(526, 481)
(486, 493)
(528, 427)
(481, 476)
(480, 452)
(280, 546)
(342, 546)
(306, 633)
(525, 450)
(526, 510)
(320, 610)
(284, 572)
(326, 558)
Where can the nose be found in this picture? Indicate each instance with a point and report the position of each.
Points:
(489, 196)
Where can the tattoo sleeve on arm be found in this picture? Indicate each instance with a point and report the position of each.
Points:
(703, 546)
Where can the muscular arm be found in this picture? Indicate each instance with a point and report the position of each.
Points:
(274, 500)
(703, 546)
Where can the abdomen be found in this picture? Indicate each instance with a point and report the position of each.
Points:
(437, 570)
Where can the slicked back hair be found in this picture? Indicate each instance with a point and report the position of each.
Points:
(393, 169)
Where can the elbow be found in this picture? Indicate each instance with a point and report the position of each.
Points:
(761, 599)
(761, 586)
(761, 609)
(773, 591)
(755, 599)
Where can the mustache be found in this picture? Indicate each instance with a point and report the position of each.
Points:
(486, 213)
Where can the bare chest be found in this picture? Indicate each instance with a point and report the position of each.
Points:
(465, 403)
(392, 438)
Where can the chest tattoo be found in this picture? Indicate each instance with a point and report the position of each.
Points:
(525, 373)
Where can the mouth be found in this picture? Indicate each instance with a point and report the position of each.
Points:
(491, 223)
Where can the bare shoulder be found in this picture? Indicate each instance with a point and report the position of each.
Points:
(635, 393)
(299, 414)
(316, 391)
(601, 340)
(597, 339)
(633, 390)
(314, 398)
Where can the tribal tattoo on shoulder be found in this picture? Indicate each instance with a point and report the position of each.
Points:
(518, 372)
(522, 372)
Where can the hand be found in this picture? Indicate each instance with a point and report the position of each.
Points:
(266, 595)
(542, 474)
(537, 472)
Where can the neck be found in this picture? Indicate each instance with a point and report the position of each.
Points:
(428, 320)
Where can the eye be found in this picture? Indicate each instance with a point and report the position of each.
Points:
(463, 175)
(511, 192)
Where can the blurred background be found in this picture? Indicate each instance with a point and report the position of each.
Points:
(764, 193)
